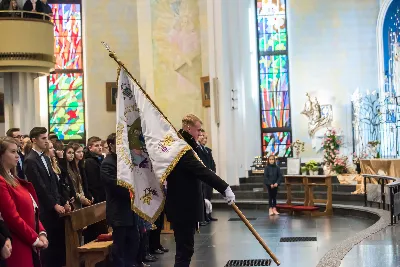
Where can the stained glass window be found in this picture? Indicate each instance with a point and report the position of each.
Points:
(274, 81)
(278, 143)
(65, 86)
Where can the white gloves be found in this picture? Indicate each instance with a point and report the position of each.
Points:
(229, 195)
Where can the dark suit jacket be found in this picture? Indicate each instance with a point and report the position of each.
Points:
(20, 171)
(185, 202)
(206, 157)
(28, 7)
(92, 170)
(118, 205)
(46, 186)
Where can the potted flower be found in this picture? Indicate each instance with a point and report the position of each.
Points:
(303, 170)
(312, 166)
(340, 164)
(331, 144)
(298, 147)
(314, 170)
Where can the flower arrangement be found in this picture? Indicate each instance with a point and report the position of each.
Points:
(331, 145)
(340, 164)
(298, 147)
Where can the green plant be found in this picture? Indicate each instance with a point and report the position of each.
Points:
(315, 169)
(311, 164)
(303, 169)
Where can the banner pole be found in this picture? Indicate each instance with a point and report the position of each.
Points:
(256, 235)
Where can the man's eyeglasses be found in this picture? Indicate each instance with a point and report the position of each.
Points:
(18, 137)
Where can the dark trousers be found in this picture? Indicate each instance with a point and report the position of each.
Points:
(184, 239)
(272, 192)
(125, 246)
(54, 255)
(154, 235)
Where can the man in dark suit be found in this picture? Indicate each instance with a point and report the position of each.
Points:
(184, 204)
(205, 154)
(38, 170)
(18, 137)
(119, 213)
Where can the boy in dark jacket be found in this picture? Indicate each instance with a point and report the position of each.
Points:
(272, 179)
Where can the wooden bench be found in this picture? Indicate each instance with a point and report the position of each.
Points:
(75, 222)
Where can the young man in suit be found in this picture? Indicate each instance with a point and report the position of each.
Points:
(184, 205)
(38, 170)
(119, 213)
(205, 154)
(18, 137)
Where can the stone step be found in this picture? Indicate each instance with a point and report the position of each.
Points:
(260, 179)
(262, 204)
(253, 186)
(282, 194)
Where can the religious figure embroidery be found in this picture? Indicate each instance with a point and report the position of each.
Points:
(148, 195)
(126, 91)
(166, 143)
(137, 146)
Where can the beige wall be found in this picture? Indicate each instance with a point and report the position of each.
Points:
(140, 34)
(115, 23)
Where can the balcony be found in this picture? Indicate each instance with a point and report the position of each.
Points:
(27, 42)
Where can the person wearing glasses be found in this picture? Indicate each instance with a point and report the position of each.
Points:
(18, 137)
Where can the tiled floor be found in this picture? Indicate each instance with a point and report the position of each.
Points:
(380, 250)
(223, 240)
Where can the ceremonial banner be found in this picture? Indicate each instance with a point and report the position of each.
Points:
(148, 147)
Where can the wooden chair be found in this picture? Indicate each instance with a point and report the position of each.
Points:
(75, 222)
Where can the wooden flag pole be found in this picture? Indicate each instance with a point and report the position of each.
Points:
(256, 235)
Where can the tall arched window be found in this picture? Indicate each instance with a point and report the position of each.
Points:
(274, 77)
(65, 84)
(391, 48)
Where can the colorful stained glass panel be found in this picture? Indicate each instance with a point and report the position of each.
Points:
(275, 100)
(275, 118)
(278, 143)
(273, 64)
(70, 81)
(273, 83)
(67, 33)
(75, 131)
(272, 42)
(61, 115)
(271, 7)
(278, 150)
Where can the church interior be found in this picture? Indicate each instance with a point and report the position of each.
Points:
(313, 84)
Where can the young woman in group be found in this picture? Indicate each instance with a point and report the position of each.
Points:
(272, 179)
(19, 210)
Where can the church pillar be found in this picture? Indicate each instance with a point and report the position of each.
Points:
(236, 139)
(20, 106)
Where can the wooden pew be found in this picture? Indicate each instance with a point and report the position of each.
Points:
(75, 222)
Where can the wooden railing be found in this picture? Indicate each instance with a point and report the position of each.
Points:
(21, 14)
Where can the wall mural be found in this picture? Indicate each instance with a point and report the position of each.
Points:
(177, 57)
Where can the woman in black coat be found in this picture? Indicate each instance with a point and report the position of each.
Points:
(272, 179)
(5, 243)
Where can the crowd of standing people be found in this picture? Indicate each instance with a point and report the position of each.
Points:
(41, 178)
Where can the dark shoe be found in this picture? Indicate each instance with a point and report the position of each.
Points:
(157, 251)
(211, 218)
(203, 223)
(164, 249)
(149, 258)
(143, 265)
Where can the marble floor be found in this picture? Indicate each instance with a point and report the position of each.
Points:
(226, 240)
(379, 250)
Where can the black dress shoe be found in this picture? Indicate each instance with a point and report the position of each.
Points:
(164, 249)
(157, 251)
(143, 265)
(211, 218)
(203, 223)
(149, 258)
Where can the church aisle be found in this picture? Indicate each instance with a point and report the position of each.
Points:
(230, 240)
